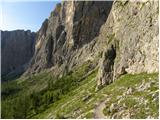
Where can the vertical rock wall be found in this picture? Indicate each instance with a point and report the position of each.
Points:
(134, 32)
(17, 50)
(71, 26)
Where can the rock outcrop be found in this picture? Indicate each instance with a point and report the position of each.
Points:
(66, 35)
(17, 50)
(132, 28)
(120, 37)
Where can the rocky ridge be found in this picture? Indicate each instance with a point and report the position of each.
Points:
(66, 39)
(122, 34)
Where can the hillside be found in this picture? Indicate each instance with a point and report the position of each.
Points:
(131, 96)
(92, 59)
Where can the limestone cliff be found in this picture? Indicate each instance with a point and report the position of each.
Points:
(64, 37)
(82, 46)
(131, 34)
(17, 50)
(123, 33)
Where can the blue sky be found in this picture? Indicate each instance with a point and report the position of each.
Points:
(25, 14)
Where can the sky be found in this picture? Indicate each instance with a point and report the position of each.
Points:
(24, 14)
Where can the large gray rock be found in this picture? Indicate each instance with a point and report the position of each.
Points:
(132, 27)
(17, 48)
(68, 31)
(123, 33)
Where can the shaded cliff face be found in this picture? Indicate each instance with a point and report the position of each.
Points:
(70, 27)
(17, 49)
(132, 30)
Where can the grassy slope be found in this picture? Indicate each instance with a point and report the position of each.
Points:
(138, 103)
(73, 106)
(12, 90)
(81, 98)
(44, 85)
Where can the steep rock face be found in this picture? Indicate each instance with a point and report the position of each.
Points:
(132, 28)
(17, 50)
(124, 34)
(68, 33)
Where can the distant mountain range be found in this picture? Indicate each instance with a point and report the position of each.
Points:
(17, 49)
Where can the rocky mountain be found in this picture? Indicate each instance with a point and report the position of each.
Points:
(121, 33)
(92, 59)
(68, 33)
(132, 40)
(17, 49)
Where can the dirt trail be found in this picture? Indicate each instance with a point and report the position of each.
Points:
(98, 112)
